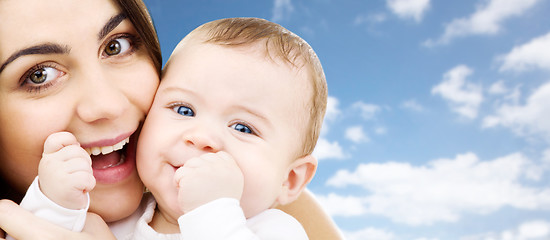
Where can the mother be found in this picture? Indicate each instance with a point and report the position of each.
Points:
(89, 67)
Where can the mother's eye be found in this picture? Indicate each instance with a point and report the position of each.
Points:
(41, 75)
(117, 46)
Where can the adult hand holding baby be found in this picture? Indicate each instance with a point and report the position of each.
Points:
(12, 217)
(209, 177)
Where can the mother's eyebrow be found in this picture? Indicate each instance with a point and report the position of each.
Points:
(45, 48)
(52, 48)
(110, 25)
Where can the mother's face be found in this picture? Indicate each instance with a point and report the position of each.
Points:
(76, 66)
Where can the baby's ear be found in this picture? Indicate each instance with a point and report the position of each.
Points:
(300, 173)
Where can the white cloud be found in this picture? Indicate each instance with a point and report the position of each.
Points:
(282, 9)
(332, 108)
(546, 156)
(486, 20)
(444, 189)
(346, 206)
(531, 230)
(370, 19)
(356, 134)
(368, 111)
(328, 150)
(381, 130)
(413, 105)
(324, 148)
(332, 114)
(463, 96)
(498, 88)
(534, 54)
(530, 119)
(534, 229)
(371, 22)
(406, 9)
(370, 233)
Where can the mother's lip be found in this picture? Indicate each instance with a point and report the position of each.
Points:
(114, 173)
(119, 169)
(107, 142)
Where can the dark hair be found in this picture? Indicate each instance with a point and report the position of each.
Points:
(137, 13)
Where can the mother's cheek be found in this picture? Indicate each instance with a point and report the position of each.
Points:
(19, 158)
(143, 85)
(25, 123)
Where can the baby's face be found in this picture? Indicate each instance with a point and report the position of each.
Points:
(215, 98)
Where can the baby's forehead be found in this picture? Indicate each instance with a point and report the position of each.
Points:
(259, 50)
(273, 47)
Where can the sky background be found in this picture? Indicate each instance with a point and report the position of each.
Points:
(438, 124)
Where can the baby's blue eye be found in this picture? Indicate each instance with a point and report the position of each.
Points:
(183, 110)
(242, 128)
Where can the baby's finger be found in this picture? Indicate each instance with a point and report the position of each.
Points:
(59, 140)
(78, 164)
(225, 156)
(195, 162)
(72, 151)
(178, 175)
(83, 181)
(220, 159)
(211, 157)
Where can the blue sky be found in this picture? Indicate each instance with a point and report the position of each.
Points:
(438, 124)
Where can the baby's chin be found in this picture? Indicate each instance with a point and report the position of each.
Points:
(168, 206)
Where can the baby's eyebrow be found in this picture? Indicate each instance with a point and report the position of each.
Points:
(44, 48)
(175, 89)
(257, 114)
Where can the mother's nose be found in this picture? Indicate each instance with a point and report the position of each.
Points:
(100, 98)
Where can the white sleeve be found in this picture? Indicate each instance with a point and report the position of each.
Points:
(224, 219)
(36, 202)
(276, 224)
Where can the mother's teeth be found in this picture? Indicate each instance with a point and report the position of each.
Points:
(107, 149)
(119, 145)
(96, 151)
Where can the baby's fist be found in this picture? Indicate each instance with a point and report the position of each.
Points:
(206, 178)
(65, 172)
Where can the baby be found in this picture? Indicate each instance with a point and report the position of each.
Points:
(229, 136)
(235, 120)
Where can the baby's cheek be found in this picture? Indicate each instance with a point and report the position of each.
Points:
(260, 193)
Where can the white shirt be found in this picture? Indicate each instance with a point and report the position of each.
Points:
(220, 219)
